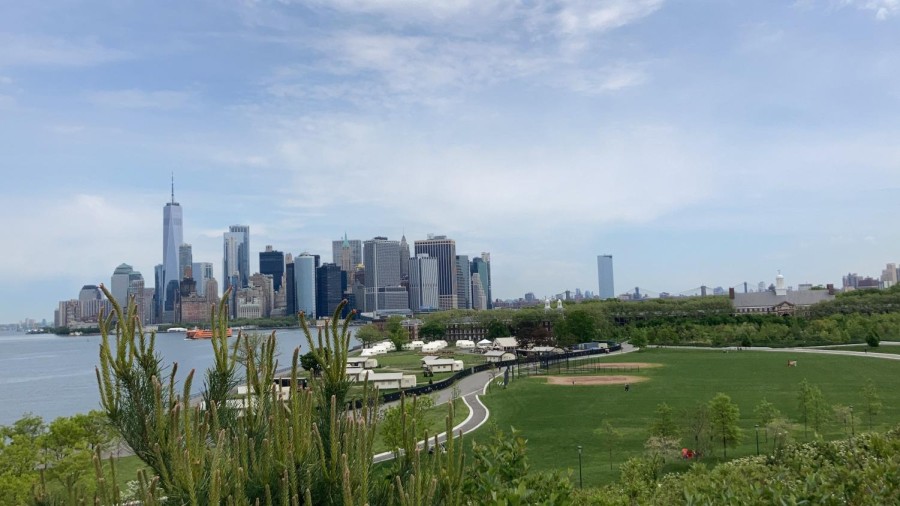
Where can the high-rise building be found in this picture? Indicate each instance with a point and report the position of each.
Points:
(118, 284)
(203, 272)
(290, 298)
(265, 289)
(173, 237)
(236, 260)
(605, 276)
(479, 301)
(186, 261)
(305, 283)
(463, 282)
(348, 255)
(382, 276)
(482, 267)
(444, 250)
(404, 258)
(271, 262)
(423, 283)
(331, 283)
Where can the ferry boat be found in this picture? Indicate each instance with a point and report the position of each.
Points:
(204, 333)
(176, 329)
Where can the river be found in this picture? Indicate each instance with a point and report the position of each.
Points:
(53, 376)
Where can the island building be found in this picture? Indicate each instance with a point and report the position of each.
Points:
(778, 300)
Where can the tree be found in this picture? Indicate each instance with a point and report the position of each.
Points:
(664, 423)
(369, 335)
(724, 416)
(812, 407)
(396, 332)
(843, 416)
(497, 328)
(697, 428)
(408, 416)
(309, 362)
(872, 339)
(780, 429)
(872, 401)
(432, 330)
(638, 340)
(659, 449)
(610, 438)
(578, 326)
(765, 412)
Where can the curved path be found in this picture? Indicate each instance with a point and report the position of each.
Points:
(469, 389)
(887, 356)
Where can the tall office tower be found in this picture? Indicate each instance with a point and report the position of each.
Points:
(173, 237)
(136, 290)
(158, 279)
(290, 298)
(889, 274)
(605, 276)
(479, 301)
(382, 276)
(265, 288)
(444, 250)
(203, 272)
(89, 293)
(186, 261)
(118, 284)
(331, 283)
(271, 262)
(423, 283)
(481, 266)
(305, 284)
(237, 256)
(404, 258)
(354, 251)
(463, 282)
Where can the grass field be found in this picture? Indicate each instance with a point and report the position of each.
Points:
(435, 419)
(555, 419)
(410, 362)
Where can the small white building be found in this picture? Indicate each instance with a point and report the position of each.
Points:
(544, 350)
(495, 356)
(484, 344)
(364, 362)
(388, 380)
(434, 346)
(505, 344)
(465, 344)
(353, 373)
(442, 365)
(414, 345)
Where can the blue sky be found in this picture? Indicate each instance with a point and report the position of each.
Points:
(699, 142)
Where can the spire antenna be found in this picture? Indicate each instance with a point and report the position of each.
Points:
(173, 187)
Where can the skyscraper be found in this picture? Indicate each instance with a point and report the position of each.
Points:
(482, 266)
(444, 250)
(236, 260)
(271, 262)
(305, 283)
(423, 283)
(463, 282)
(404, 258)
(119, 283)
(605, 276)
(331, 282)
(186, 261)
(354, 254)
(290, 297)
(203, 272)
(173, 237)
(382, 272)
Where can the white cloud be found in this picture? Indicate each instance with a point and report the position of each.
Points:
(27, 50)
(883, 9)
(140, 99)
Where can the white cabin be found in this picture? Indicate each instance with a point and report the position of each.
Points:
(495, 356)
(465, 344)
(442, 365)
(388, 380)
(364, 362)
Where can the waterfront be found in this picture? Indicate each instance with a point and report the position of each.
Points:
(53, 376)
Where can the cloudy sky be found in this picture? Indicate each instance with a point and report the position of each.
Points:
(698, 141)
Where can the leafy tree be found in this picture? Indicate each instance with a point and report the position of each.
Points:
(610, 438)
(369, 335)
(844, 416)
(432, 330)
(497, 328)
(659, 449)
(765, 412)
(638, 340)
(578, 326)
(408, 416)
(664, 422)
(780, 429)
(872, 401)
(396, 332)
(872, 339)
(309, 362)
(724, 416)
(812, 407)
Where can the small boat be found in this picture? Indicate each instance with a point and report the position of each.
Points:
(177, 329)
(203, 334)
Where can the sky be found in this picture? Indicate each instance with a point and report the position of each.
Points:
(700, 142)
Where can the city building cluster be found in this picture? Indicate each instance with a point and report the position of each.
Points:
(378, 276)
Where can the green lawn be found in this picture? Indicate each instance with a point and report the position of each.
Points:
(410, 362)
(556, 419)
(435, 419)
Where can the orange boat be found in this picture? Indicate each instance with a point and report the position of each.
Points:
(203, 334)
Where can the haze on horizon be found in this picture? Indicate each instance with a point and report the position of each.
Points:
(700, 142)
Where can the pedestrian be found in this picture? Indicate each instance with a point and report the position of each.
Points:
(627, 387)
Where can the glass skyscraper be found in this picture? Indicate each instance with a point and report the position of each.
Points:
(173, 237)
(605, 276)
(236, 260)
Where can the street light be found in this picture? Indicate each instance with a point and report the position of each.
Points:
(757, 439)
(580, 477)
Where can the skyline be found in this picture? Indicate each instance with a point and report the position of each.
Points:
(697, 143)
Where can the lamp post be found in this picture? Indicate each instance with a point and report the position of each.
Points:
(757, 439)
(580, 477)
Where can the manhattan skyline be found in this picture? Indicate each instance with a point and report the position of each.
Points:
(697, 143)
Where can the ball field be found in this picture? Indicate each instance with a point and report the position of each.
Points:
(556, 413)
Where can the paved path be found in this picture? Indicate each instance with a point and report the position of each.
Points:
(470, 388)
(888, 356)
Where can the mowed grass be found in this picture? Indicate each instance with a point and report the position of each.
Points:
(410, 362)
(435, 420)
(556, 419)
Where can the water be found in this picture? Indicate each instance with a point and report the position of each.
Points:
(53, 376)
